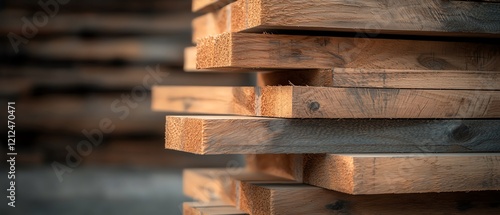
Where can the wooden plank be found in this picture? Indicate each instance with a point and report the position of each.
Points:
(386, 173)
(272, 51)
(289, 197)
(214, 100)
(252, 135)
(190, 59)
(412, 17)
(211, 208)
(208, 185)
(384, 78)
(209, 5)
(282, 198)
(327, 102)
(404, 173)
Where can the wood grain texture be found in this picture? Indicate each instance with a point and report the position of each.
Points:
(209, 5)
(210, 208)
(413, 17)
(258, 196)
(403, 173)
(383, 78)
(252, 135)
(278, 198)
(288, 166)
(327, 102)
(271, 51)
(213, 100)
(219, 184)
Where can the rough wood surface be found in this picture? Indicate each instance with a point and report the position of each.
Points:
(213, 100)
(413, 17)
(210, 208)
(253, 135)
(259, 196)
(271, 51)
(328, 102)
(282, 198)
(404, 173)
(383, 78)
(208, 185)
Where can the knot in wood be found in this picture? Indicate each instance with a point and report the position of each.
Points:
(461, 133)
(314, 106)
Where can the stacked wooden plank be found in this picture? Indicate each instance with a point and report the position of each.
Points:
(82, 58)
(361, 107)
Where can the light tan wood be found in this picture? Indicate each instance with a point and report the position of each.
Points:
(404, 173)
(271, 51)
(288, 197)
(219, 184)
(209, 5)
(327, 102)
(253, 135)
(288, 166)
(190, 59)
(384, 78)
(211, 208)
(279, 198)
(414, 17)
(213, 100)
(386, 173)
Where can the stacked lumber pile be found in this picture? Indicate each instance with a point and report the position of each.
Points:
(361, 107)
(83, 57)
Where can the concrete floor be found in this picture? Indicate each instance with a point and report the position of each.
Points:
(96, 190)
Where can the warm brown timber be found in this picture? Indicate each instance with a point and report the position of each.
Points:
(232, 51)
(328, 102)
(411, 17)
(386, 173)
(210, 208)
(384, 78)
(253, 135)
(208, 185)
(281, 197)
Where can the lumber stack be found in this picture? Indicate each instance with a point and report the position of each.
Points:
(80, 60)
(360, 107)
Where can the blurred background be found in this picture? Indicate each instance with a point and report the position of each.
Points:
(69, 64)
